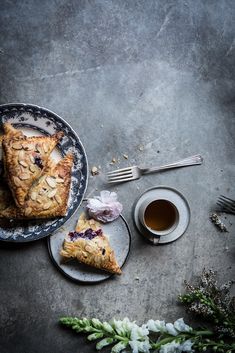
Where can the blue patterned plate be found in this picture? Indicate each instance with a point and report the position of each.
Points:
(34, 120)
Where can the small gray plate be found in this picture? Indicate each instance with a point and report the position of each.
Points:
(119, 236)
(175, 197)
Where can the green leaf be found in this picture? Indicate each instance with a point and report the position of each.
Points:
(95, 336)
(119, 347)
(103, 343)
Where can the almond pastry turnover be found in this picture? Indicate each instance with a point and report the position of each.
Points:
(47, 198)
(90, 246)
(25, 159)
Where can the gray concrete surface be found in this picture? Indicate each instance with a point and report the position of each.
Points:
(159, 74)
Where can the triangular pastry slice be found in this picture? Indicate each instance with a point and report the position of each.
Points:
(48, 197)
(25, 159)
(89, 245)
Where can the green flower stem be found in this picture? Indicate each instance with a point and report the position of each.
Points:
(120, 338)
(202, 333)
(163, 341)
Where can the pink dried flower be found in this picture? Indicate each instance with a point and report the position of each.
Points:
(104, 208)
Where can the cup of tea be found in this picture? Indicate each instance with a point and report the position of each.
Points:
(159, 216)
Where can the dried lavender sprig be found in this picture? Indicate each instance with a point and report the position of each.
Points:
(212, 302)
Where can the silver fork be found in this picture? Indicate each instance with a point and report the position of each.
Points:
(133, 173)
(226, 204)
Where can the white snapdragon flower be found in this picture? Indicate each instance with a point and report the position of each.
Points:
(107, 327)
(171, 330)
(171, 347)
(175, 347)
(140, 346)
(117, 324)
(123, 326)
(181, 326)
(156, 326)
(186, 346)
(139, 333)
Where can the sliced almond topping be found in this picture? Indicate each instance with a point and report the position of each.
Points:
(58, 199)
(45, 147)
(17, 181)
(42, 192)
(21, 155)
(33, 195)
(38, 201)
(59, 180)
(24, 176)
(29, 147)
(47, 205)
(51, 182)
(17, 146)
(38, 148)
(88, 249)
(28, 210)
(51, 193)
(32, 158)
(23, 163)
(32, 168)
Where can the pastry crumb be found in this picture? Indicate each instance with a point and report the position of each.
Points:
(218, 223)
(94, 171)
(141, 148)
(113, 161)
(125, 156)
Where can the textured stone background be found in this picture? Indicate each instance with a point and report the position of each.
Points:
(123, 74)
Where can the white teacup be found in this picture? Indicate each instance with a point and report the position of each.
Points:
(159, 216)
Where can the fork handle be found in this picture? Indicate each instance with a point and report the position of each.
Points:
(193, 160)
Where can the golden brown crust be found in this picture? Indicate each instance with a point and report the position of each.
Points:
(95, 252)
(47, 198)
(25, 159)
(10, 131)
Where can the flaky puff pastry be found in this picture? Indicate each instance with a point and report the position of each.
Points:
(25, 159)
(94, 251)
(47, 198)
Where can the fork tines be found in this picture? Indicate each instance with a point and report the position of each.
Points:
(124, 174)
(226, 204)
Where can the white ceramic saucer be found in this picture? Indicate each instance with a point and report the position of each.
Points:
(175, 197)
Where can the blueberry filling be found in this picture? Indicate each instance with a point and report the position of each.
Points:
(38, 162)
(88, 234)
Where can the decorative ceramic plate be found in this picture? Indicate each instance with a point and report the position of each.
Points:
(34, 120)
(119, 237)
(178, 200)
